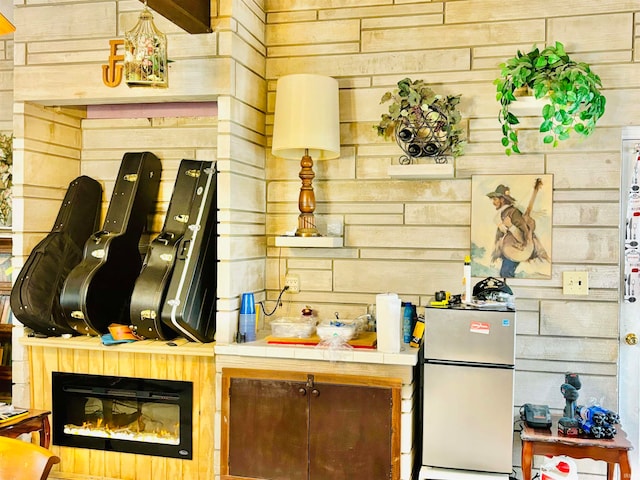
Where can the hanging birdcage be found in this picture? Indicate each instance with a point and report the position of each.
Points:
(145, 58)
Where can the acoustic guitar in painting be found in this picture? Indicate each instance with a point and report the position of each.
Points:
(98, 290)
(521, 251)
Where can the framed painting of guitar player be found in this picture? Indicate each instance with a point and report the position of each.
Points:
(511, 220)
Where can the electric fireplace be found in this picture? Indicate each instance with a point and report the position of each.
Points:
(123, 414)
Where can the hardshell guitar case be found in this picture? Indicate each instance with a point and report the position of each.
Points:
(35, 296)
(98, 290)
(190, 305)
(150, 290)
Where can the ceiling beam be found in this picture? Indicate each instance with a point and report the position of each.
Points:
(194, 16)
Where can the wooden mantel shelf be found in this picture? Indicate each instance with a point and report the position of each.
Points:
(182, 347)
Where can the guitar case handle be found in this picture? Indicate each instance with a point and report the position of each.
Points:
(183, 249)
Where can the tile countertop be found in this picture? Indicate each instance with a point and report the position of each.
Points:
(260, 348)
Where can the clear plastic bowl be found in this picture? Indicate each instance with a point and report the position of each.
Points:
(345, 330)
(293, 327)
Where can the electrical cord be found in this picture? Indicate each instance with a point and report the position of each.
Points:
(278, 303)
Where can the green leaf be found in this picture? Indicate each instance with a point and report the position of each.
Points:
(386, 97)
(413, 98)
(512, 119)
(553, 58)
(505, 141)
(541, 62)
(560, 116)
(548, 139)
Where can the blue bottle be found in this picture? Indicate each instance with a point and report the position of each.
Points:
(407, 321)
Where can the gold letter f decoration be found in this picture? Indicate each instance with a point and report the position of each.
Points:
(112, 73)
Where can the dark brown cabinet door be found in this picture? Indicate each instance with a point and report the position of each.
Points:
(350, 432)
(268, 429)
(300, 426)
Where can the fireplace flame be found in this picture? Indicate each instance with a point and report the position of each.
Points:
(129, 432)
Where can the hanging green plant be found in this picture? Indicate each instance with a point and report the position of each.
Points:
(571, 93)
(6, 178)
(423, 123)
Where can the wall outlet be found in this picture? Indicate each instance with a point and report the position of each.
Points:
(293, 282)
(575, 283)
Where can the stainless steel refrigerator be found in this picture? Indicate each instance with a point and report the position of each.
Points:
(469, 357)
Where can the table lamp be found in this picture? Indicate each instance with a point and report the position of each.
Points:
(306, 124)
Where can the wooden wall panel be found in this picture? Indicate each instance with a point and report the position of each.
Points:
(410, 236)
(92, 358)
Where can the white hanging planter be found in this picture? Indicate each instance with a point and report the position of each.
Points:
(528, 106)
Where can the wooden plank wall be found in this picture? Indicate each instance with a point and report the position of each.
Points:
(227, 66)
(369, 45)
(411, 236)
(86, 463)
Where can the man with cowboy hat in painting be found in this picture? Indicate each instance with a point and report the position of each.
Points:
(515, 240)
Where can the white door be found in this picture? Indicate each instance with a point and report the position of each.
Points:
(629, 358)
(628, 378)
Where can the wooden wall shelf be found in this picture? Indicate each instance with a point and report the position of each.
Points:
(421, 171)
(309, 242)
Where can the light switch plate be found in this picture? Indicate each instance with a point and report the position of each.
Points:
(575, 283)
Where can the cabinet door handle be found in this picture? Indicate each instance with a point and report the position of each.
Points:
(302, 391)
(315, 392)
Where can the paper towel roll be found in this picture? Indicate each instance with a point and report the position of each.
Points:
(388, 322)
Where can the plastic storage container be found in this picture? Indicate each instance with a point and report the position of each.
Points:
(346, 331)
(293, 327)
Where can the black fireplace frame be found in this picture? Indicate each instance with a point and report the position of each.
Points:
(129, 388)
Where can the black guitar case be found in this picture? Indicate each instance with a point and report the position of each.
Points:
(150, 290)
(190, 306)
(35, 296)
(98, 290)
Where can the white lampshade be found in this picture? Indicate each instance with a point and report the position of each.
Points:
(306, 117)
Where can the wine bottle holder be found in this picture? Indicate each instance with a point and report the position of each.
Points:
(425, 138)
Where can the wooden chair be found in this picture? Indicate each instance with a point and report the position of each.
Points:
(20, 460)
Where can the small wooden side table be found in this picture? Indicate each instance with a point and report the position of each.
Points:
(34, 421)
(548, 442)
